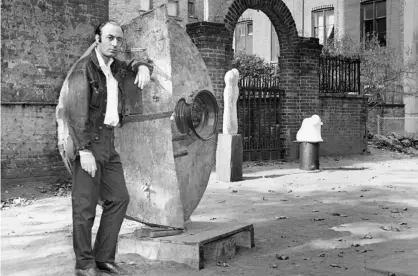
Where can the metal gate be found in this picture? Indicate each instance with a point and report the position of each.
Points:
(259, 118)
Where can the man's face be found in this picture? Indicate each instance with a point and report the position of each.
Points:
(111, 40)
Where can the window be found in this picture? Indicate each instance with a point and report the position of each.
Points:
(191, 8)
(275, 46)
(323, 24)
(173, 8)
(250, 28)
(145, 5)
(241, 28)
(244, 37)
(373, 15)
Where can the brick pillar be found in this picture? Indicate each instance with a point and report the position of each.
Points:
(215, 45)
(299, 64)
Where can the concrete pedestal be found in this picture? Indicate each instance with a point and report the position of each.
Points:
(229, 155)
(203, 242)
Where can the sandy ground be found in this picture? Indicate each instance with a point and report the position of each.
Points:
(339, 220)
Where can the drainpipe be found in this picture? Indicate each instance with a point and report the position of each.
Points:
(303, 17)
(206, 10)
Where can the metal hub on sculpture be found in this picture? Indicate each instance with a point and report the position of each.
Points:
(168, 140)
(200, 117)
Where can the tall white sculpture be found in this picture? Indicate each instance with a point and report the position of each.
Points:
(229, 152)
(231, 93)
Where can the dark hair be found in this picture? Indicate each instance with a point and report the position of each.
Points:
(99, 28)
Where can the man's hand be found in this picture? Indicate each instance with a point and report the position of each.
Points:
(142, 77)
(88, 162)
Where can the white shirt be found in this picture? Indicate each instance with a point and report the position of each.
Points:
(112, 115)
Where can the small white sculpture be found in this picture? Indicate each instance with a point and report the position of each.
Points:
(231, 93)
(310, 131)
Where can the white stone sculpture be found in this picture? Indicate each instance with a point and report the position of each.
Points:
(231, 93)
(310, 131)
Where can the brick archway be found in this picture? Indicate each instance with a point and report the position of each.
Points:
(298, 62)
(277, 12)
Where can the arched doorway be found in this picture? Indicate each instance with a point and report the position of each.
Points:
(276, 11)
(256, 45)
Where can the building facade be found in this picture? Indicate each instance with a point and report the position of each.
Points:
(393, 21)
(328, 19)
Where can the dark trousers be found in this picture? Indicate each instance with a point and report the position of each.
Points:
(108, 185)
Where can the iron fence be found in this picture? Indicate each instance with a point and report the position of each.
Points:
(339, 74)
(259, 118)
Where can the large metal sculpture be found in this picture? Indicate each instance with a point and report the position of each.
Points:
(168, 137)
(168, 141)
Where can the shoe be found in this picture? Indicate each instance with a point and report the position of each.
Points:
(88, 272)
(111, 268)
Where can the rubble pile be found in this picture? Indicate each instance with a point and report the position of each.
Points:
(62, 189)
(395, 142)
(14, 202)
(59, 189)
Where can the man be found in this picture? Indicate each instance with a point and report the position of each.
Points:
(92, 109)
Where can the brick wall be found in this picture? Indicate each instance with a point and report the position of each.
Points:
(28, 145)
(40, 41)
(344, 128)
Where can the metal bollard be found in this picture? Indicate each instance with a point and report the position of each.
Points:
(308, 156)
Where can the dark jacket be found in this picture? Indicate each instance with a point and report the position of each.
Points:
(85, 106)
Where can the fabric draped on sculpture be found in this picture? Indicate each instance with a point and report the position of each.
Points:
(310, 130)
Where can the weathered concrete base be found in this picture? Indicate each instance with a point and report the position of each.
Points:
(405, 264)
(229, 155)
(202, 242)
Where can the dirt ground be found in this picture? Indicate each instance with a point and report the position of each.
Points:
(339, 220)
